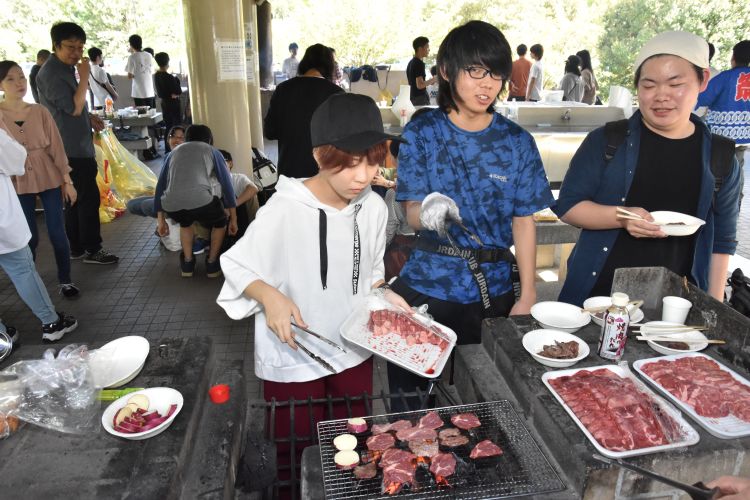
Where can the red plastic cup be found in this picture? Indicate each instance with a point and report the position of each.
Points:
(219, 393)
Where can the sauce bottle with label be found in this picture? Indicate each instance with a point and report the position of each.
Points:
(614, 328)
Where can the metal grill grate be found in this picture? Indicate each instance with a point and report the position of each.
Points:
(521, 470)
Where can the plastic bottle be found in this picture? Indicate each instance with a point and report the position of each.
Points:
(108, 106)
(615, 328)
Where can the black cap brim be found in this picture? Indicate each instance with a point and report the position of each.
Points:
(364, 141)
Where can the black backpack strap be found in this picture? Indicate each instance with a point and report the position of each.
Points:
(722, 156)
(615, 133)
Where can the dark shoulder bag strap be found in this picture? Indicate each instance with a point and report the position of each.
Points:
(615, 133)
(722, 156)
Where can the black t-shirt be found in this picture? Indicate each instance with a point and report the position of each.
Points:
(166, 84)
(288, 120)
(667, 177)
(415, 69)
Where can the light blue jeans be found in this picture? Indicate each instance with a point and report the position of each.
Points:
(19, 266)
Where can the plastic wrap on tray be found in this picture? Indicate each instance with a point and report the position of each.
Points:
(412, 341)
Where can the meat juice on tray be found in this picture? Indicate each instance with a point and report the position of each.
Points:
(614, 328)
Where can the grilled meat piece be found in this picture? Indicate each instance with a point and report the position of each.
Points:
(380, 442)
(424, 447)
(560, 350)
(431, 421)
(367, 471)
(465, 421)
(485, 449)
(443, 465)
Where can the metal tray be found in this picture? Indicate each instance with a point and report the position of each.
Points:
(392, 347)
(690, 436)
(521, 470)
(725, 428)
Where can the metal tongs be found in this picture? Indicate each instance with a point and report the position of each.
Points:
(697, 491)
(312, 355)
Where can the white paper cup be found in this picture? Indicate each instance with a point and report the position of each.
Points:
(675, 309)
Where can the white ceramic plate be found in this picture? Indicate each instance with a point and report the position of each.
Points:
(662, 349)
(602, 301)
(689, 226)
(560, 316)
(118, 362)
(160, 399)
(535, 340)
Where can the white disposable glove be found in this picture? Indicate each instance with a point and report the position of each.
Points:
(437, 210)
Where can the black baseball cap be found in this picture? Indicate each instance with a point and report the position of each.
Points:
(351, 122)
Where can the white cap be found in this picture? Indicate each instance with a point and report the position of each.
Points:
(620, 299)
(683, 44)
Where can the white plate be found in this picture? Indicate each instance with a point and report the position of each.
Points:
(602, 301)
(431, 359)
(560, 316)
(535, 340)
(160, 399)
(691, 224)
(690, 435)
(729, 427)
(118, 362)
(662, 349)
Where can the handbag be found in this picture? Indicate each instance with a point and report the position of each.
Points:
(264, 170)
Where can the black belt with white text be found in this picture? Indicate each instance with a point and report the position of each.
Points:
(474, 257)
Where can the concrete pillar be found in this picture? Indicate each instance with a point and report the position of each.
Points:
(265, 44)
(250, 19)
(214, 36)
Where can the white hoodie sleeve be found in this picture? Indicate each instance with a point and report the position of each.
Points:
(254, 257)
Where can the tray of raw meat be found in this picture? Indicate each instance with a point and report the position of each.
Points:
(617, 412)
(712, 394)
(412, 341)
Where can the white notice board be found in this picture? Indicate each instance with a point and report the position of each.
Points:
(230, 60)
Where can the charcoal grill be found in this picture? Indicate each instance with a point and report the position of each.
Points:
(521, 470)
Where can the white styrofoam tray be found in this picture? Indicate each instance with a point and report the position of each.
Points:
(726, 427)
(690, 435)
(426, 360)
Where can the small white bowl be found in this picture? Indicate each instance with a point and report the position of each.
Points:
(602, 301)
(160, 399)
(691, 224)
(535, 340)
(662, 349)
(560, 316)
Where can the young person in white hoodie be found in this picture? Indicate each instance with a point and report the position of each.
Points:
(311, 254)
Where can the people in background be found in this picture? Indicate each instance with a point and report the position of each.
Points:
(590, 86)
(65, 99)
(571, 83)
(169, 89)
(536, 74)
(663, 162)
(432, 90)
(15, 255)
(415, 72)
(711, 52)
(727, 98)
(185, 194)
(519, 77)
(140, 70)
(290, 64)
(41, 58)
(100, 83)
(47, 173)
(463, 165)
(292, 106)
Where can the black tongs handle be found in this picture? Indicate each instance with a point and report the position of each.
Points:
(697, 491)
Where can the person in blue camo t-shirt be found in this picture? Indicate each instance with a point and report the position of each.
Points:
(464, 164)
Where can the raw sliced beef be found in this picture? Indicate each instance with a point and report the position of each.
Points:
(431, 421)
(416, 433)
(424, 447)
(384, 322)
(380, 442)
(395, 455)
(380, 428)
(453, 438)
(395, 426)
(465, 421)
(485, 449)
(443, 465)
(398, 469)
(367, 471)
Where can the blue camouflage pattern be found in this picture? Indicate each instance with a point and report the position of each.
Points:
(492, 175)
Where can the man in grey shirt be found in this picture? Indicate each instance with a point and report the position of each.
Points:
(65, 98)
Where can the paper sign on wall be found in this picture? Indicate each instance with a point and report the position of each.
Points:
(230, 58)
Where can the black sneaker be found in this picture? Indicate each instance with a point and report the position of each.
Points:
(56, 331)
(100, 257)
(68, 290)
(213, 269)
(187, 268)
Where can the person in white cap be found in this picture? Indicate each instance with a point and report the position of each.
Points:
(662, 160)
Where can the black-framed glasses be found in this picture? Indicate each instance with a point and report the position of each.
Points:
(478, 72)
